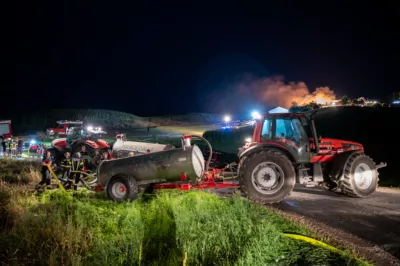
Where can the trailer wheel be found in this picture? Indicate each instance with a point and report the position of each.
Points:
(267, 176)
(360, 177)
(122, 188)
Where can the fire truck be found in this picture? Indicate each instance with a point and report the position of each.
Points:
(5, 129)
(63, 128)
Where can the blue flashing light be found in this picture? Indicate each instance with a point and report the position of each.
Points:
(33, 141)
(255, 115)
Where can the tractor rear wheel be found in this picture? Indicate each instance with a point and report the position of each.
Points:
(267, 176)
(122, 188)
(360, 177)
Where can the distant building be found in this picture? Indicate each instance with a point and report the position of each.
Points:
(278, 110)
(336, 102)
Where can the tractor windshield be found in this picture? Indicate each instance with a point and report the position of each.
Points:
(75, 133)
(290, 132)
(290, 129)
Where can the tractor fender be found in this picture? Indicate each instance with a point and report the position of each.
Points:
(87, 142)
(334, 169)
(92, 144)
(259, 147)
(102, 144)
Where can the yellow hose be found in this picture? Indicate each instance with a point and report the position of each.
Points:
(321, 244)
(315, 242)
(185, 259)
(55, 177)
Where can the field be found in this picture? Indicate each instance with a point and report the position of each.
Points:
(168, 228)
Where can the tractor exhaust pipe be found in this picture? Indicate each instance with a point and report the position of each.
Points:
(381, 165)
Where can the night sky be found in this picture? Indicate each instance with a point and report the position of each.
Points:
(157, 58)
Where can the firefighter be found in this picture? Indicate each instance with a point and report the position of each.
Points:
(66, 165)
(9, 146)
(46, 177)
(84, 155)
(19, 146)
(3, 144)
(76, 170)
(105, 156)
(97, 157)
(14, 148)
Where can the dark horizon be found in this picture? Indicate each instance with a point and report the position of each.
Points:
(181, 60)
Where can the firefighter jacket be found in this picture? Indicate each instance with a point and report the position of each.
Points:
(76, 166)
(46, 162)
(66, 164)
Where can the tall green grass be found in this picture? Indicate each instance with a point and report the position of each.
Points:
(84, 228)
(19, 172)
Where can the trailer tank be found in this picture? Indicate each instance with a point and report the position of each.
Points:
(122, 147)
(158, 167)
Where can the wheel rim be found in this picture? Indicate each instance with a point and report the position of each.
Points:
(268, 178)
(363, 176)
(119, 190)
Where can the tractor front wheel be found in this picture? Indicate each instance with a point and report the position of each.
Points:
(360, 177)
(267, 176)
(122, 188)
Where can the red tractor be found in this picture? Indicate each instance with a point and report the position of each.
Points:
(285, 150)
(78, 138)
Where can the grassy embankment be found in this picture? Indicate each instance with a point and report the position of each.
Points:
(33, 121)
(168, 228)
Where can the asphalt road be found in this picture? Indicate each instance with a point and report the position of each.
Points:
(375, 219)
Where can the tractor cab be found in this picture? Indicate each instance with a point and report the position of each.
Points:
(291, 132)
(75, 133)
(296, 135)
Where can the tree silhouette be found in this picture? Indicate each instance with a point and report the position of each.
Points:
(345, 100)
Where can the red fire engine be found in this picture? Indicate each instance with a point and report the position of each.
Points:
(5, 129)
(62, 128)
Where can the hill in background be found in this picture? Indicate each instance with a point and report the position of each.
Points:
(34, 121)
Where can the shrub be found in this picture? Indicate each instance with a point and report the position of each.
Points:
(19, 172)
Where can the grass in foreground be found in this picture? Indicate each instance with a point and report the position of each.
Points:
(84, 228)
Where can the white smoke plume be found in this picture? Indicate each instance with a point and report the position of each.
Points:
(274, 91)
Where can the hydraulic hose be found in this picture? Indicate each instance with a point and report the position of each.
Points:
(209, 147)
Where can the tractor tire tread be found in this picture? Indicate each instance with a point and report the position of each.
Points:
(346, 184)
(242, 168)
